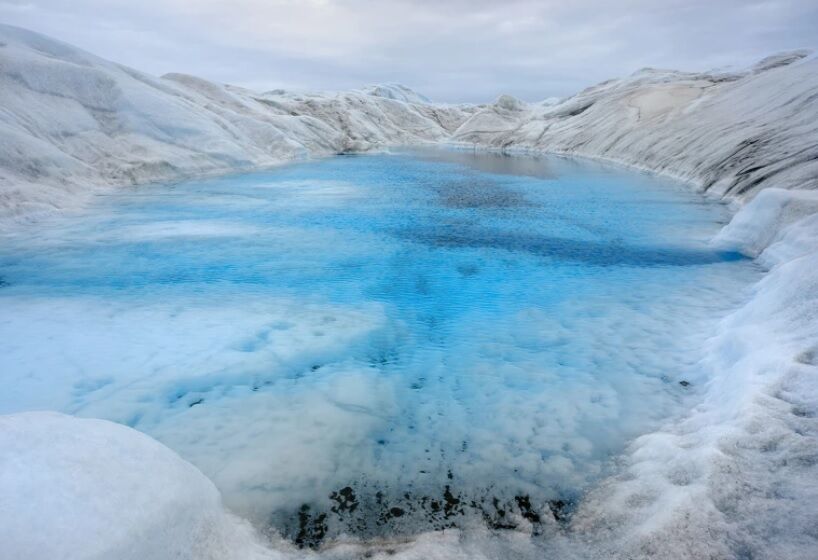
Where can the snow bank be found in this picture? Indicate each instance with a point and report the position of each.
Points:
(738, 477)
(772, 216)
(92, 489)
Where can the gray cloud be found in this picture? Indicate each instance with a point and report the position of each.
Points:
(451, 50)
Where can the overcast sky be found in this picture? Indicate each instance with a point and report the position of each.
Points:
(450, 50)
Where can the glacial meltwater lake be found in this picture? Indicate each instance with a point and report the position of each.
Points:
(377, 344)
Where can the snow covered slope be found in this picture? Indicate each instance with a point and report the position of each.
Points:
(730, 133)
(73, 123)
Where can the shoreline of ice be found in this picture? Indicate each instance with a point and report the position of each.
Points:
(738, 477)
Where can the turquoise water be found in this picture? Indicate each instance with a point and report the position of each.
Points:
(381, 343)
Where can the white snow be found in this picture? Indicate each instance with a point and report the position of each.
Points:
(729, 134)
(74, 124)
(737, 478)
(767, 220)
(90, 489)
(396, 91)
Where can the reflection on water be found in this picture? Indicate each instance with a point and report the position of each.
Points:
(495, 163)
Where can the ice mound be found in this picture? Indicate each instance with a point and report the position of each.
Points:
(780, 59)
(509, 103)
(492, 121)
(92, 489)
(768, 218)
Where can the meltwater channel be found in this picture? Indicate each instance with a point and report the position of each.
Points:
(379, 344)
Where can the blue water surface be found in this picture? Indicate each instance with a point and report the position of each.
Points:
(384, 340)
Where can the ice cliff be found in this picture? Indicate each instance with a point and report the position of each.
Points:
(736, 478)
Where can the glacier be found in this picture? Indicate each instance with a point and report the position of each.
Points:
(737, 477)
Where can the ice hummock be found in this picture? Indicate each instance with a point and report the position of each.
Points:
(85, 489)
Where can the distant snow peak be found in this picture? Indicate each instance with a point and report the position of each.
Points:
(509, 103)
(398, 92)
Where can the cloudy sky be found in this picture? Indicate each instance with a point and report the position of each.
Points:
(450, 50)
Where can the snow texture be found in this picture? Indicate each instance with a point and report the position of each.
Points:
(74, 124)
(737, 478)
(729, 134)
(91, 489)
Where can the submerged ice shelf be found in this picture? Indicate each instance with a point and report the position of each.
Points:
(377, 344)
